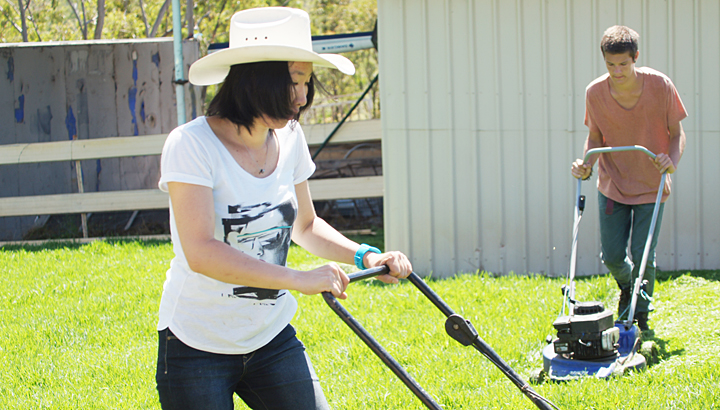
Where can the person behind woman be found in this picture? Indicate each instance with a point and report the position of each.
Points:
(631, 105)
(237, 180)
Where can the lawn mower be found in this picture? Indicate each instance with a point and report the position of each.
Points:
(589, 342)
(456, 326)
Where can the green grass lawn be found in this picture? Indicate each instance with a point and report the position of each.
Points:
(77, 331)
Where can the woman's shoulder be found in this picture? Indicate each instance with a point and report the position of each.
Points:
(195, 136)
(196, 131)
(196, 127)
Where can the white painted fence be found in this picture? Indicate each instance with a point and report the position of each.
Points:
(140, 199)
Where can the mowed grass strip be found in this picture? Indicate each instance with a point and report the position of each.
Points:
(77, 330)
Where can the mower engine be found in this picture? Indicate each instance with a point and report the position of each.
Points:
(588, 334)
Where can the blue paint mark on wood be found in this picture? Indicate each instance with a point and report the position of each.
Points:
(194, 105)
(98, 168)
(11, 69)
(70, 123)
(156, 59)
(132, 98)
(20, 112)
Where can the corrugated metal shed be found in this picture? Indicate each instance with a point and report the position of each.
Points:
(482, 111)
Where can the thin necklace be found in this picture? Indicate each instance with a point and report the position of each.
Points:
(262, 168)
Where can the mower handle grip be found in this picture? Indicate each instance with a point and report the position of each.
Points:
(603, 150)
(369, 273)
(358, 276)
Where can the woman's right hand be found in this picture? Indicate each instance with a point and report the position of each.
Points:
(327, 278)
(581, 170)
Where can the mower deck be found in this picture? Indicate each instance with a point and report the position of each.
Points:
(562, 368)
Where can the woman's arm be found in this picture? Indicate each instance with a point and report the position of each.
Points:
(195, 221)
(319, 238)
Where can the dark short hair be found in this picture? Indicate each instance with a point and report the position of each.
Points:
(620, 40)
(253, 89)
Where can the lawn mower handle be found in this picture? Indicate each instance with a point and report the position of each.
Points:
(457, 327)
(653, 222)
(369, 273)
(373, 344)
(603, 150)
(414, 278)
(569, 294)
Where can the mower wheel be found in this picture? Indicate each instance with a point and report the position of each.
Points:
(537, 376)
(651, 351)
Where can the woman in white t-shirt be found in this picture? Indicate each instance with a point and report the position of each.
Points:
(237, 180)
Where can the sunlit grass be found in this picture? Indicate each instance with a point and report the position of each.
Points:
(77, 330)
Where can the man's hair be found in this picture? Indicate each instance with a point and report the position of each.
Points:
(253, 89)
(620, 40)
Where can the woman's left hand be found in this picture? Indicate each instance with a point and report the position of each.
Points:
(399, 264)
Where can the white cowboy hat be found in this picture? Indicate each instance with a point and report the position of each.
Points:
(265, 34)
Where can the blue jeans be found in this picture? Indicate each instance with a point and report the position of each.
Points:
(276, 376)
(615, 231)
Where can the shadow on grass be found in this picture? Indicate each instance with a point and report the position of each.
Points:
(659, 350)
(663, 276)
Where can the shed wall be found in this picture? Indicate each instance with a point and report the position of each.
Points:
(482, 113)
(86, 89)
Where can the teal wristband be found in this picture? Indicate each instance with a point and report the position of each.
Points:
(360, 254)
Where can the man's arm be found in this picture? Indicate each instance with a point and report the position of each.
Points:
(668, 162)
(582, 169)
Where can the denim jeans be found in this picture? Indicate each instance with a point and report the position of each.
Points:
(615, 230)
(277, 376)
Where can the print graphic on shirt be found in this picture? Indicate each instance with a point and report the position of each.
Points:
(263, 232)
(247, 292)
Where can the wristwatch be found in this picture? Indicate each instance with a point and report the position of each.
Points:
(360, 254)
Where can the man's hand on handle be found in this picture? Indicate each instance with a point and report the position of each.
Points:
(581, 170)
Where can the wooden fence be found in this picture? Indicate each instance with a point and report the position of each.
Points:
(143, 199)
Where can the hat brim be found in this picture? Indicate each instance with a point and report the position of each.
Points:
(213, 68)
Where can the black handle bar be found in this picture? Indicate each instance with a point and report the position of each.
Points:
(368, 273)
(457, 327)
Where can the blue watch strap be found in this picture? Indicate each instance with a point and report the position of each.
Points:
(360, 254)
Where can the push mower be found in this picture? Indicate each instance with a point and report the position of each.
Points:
(588, 343)
(456, 326)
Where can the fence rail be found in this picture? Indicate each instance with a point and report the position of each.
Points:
(142, 199)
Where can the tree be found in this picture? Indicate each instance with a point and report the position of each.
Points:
(23, 23)
(9, 14)
(82, 22)
(100, 19)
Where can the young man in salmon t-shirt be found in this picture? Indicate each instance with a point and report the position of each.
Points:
(630, 106)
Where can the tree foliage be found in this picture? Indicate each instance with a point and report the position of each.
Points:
(347, 16)
(67, 20)
(328, 17)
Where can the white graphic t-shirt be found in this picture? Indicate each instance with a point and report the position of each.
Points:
(253, 215)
